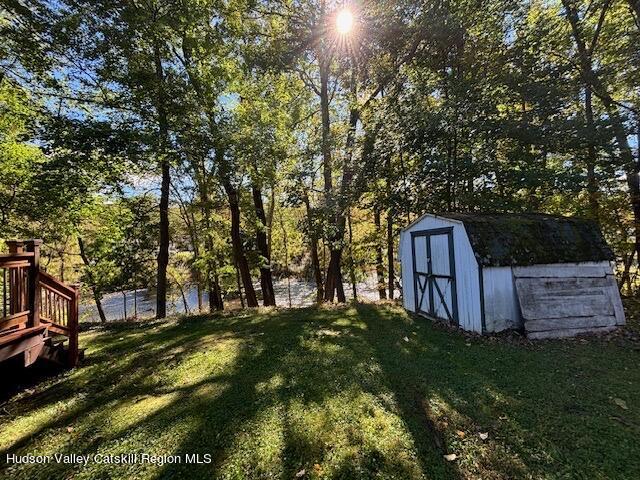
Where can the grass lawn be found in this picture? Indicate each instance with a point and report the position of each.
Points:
(360, 392)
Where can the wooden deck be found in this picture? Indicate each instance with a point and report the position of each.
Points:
(35, 308)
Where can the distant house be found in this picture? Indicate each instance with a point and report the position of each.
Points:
(550, 276)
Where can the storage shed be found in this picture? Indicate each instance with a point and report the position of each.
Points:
(550, 276)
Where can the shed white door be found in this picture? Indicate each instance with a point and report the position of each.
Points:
(434, 276)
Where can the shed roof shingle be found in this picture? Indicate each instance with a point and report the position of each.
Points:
(532, 239)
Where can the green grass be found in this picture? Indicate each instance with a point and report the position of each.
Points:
(361, 392)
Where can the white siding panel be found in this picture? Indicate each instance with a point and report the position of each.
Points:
(501, 306)
(406, 264)
(467, 275)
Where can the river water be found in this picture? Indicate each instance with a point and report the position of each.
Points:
(302, 295)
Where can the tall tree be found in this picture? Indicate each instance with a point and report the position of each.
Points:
(585, 48)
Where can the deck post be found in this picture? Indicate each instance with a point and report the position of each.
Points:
(34, 282)
(74, 318)
(15, 246)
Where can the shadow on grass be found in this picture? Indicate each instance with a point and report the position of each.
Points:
(16, 378)
(119, 370)
(328, 393)
(349, 393)
(547, 408)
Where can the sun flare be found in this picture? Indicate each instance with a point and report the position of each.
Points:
(344, 22)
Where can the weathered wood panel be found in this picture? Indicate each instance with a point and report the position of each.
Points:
(563, 307)
(567, 333)
(568, 300)
(569, 323)
(614, 293)
(562, 271)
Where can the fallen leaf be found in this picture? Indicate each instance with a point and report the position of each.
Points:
(69, 429)
(625, 422)
(450, 457)
(468, 344)
(301, 473)
(406, 339)
(460, 433)
(621, 403)
(484, 436)
(317, 468)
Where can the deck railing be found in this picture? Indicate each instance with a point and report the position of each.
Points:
(31, 297)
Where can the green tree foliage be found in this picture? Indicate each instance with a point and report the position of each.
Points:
(19, 158)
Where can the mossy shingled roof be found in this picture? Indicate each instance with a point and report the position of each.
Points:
(532, 239)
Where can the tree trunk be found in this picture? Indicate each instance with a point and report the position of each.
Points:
(592, 182)
(382, 292)
(334, 269)
(390, 254)
(238, 250)
(61, 255)
(333, 283)
(185, 303)
(266, 277)
(626, 274)
(216, 303)
(406, 183)
(163, 251)
(326, 131)
(352, 265)
(635, 8)
(215, 294)
(239, 283)
(286, 258)
(184, 299)
(315, 259)
(340, 284)
(97, 297)
(390, 240)
(272, 209)
(324, 257)
(124, 304)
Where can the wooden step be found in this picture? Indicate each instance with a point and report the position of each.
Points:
(27, 341)
(56, 340)
(10, 336)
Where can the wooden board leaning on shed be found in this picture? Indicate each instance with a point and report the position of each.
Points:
(564, 301)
